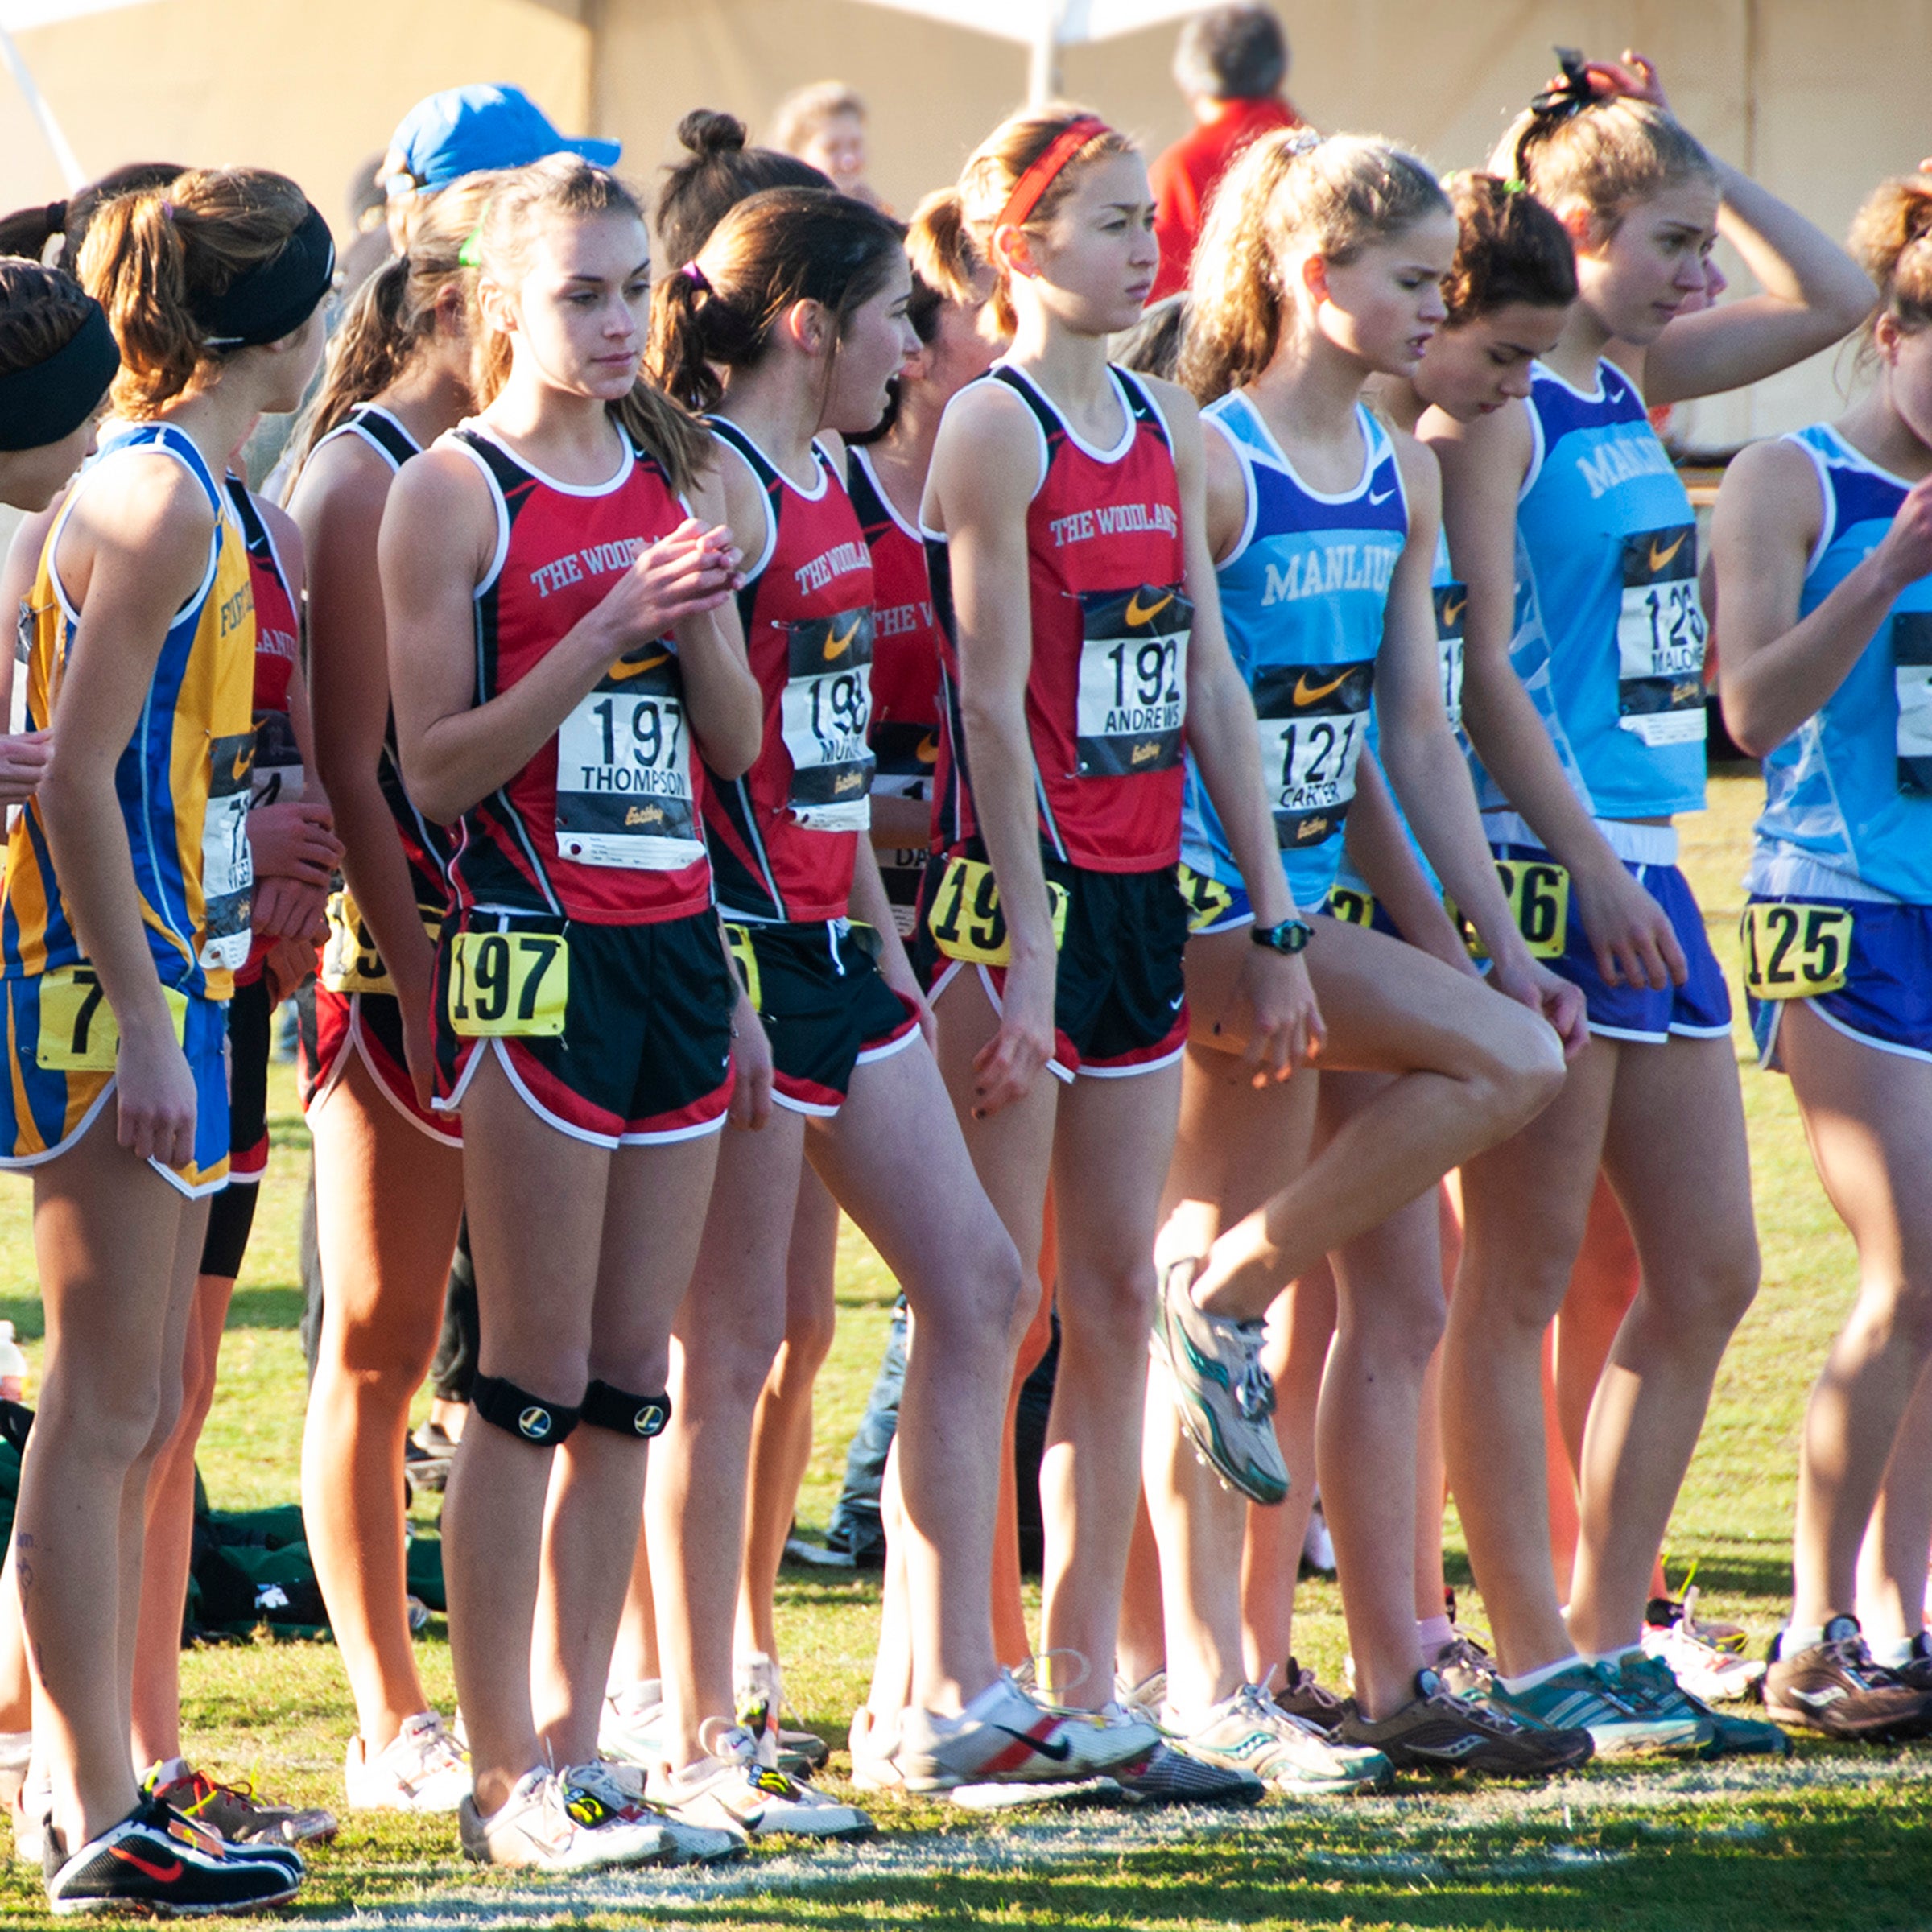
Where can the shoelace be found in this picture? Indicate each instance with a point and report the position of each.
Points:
(1298, 1683)
(1254, 1388)
(1857, 1662)
(1477, 1716)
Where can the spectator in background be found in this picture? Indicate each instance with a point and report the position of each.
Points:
(1231, 64)
(825, 124)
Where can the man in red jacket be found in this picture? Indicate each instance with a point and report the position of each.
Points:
(1232, 63)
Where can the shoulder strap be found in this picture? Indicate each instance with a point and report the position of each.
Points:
(381, 431)
(1139, 403)
(1044, 413)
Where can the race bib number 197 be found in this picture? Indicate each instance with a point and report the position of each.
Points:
(510, 984)
(624, 770)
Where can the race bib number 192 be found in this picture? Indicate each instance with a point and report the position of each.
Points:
(509, 985)
(1133, 697)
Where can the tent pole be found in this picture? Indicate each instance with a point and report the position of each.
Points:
(1043, 65)
(72, 172)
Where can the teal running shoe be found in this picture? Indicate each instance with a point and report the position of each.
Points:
(1592, 1697)
(1649, 1682)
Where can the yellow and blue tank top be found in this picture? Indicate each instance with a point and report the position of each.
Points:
(1848, 796)
(1303, 594)
(1612, 644)
(182, 782)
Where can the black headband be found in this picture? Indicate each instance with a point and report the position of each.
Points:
(274, 297)
(1569, 94)
(48, 401)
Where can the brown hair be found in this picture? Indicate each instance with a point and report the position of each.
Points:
(806, 110)
(28, 230)
(1509, 248)
(520, 202)
(1892, 237)
(1289, 192)
(720, 172)
(784, 245)
(147, 258)
(1602, 154)
(41, 312)
(965, 219)
(394, 313)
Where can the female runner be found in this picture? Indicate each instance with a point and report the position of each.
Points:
(142, 641)
(1063, 520)
(1576, 540)
(548, 691)
(788, 323)
(1823, 546)
(1321, 267)
(388, 1177)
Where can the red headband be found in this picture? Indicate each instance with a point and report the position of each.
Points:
(1038, 178)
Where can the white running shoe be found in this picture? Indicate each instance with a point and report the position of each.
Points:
(731, 1789)
(758, 1693)
(630, 1728)
(546, 1827)
(1249, 1732)
(1710, 1669)
(1004, 1737)
(873, 1742)
(619, 1790)
(422, 1770)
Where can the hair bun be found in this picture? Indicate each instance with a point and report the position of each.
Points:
(707, 131)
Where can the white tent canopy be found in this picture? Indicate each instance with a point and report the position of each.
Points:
(16, 16)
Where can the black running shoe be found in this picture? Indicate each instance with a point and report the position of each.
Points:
(1301, 1696)
(1173, 1777)
(1435, 1731)
(1834, 1686)
(152, 1861)
(1917, 1670)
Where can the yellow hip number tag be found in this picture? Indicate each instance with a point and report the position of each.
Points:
(1793, 950)
(1351, 906)
(1537, 891)
(77, 1030)
(966, 919)
(509, 984)
(1207, 898)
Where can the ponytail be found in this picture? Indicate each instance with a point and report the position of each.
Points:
(1509, 248)
(719, 172)
(1892, 238)
(29, 230)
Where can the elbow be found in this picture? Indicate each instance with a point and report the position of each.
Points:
(732, 753)
(1753, 735)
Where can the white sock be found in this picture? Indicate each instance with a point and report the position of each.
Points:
(1613, 1657)
(1432, 1632)
(168, 1771)
(1797, 1637)
(1529, 1679)
(1894, 1653)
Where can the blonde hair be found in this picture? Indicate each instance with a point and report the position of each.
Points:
(804, 112)
(1892, 237)
(1290, 193)
(521, 203)
(394, 314)
(149, 255)
(1602, 156)
(964, 219)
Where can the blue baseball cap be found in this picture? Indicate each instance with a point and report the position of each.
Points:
(465, 128)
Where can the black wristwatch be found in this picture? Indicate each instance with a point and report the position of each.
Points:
(1290, 937)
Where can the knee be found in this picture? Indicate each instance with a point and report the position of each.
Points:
(377, 1352)
(1109, 1311)
(1901, 1311)
(1521, 1071)
(1705, 1304)
(808, 1337)
(112, 1429)
(726, 1367)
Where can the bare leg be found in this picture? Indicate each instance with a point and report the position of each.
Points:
(1892, 1561)
(1142, 1643)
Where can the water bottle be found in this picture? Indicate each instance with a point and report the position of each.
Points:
(13, 1366)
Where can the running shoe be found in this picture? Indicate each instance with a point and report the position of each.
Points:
(1145, 1698)
(1302, 1695)
(233, 1813)
(630, 1728)
(544, 1826)
(875, 1767)
(1436, 1731)
(1917, 1670)
(153, 1862)
(1249, 1732)
(1648, 1683)
(421, 1768)
(732, 1790)
(1172, 1776)
(1225, 1397)
(1589, 1697)
(873, 1742)
(604, 1791)
(1004, 1737)
(1835, 1687)
(1708, 1659)
(758, 1693)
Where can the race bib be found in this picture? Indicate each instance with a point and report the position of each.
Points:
(1207, 898)
(1660, 639)
(228, 867)
(737, 939)
(1793, 951)
(351, 960)
(1451, 600)
(78, 1033)
(1312, 724)
(906, 754)
(1352, 907)
(508, 984)
(624, 795)
(824, 714)
(1538, 893)
(1132, 698)
(277, 777)
(1912, 674)
(966, 919)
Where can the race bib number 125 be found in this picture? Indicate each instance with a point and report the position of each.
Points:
(1793, 950)
(1660, 639)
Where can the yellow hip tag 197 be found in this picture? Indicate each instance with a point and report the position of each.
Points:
(966, 919)
(1352, 908)
(1793, 951)
(513, 985)
(77, 1030)
(1207, 899)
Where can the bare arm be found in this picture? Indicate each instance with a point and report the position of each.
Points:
(23, 754)
(1779, 670)
(726, 707)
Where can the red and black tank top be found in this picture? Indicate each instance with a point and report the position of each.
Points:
(1106, 692)
(604, 824)
(781, 836)
(426, 845)
(907, 642)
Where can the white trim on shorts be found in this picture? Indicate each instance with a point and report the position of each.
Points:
(353, 1042)
(25, 1163)
(816, 1110)
(1837, 1027)
(1054, 1066)
(610, 1142)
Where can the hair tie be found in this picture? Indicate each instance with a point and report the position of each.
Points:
(1303, 141)
(1515, 185)
(1032, 184)
(697, 278)
(167, 211)
(470, 255)
(1569, 94)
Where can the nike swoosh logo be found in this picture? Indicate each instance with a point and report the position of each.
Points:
(1819, 1699)
(928, 752)
(624, 668)
(837, 647)
(1059, 1752)
(1384, 497)
(1660, 557)
(239, 770)
(162, 1875)
(1139, 614)
(1451, 612)
(1305, 693)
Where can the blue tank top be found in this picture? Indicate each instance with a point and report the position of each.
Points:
(1302, 597)
(1848, 796)
(1608, 544)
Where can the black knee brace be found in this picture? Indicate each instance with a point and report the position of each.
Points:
(531, 1418)
(640, 1415)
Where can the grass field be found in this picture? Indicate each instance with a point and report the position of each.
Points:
(1834, 1838)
